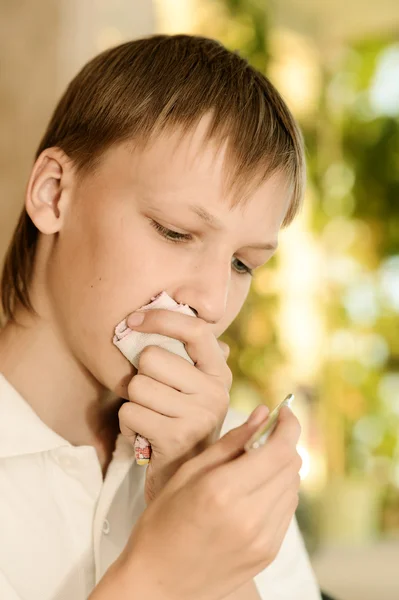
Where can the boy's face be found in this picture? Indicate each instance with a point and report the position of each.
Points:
(108, 259)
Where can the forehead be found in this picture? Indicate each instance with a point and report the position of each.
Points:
(182, 158)
(189, 162)
(174, 173)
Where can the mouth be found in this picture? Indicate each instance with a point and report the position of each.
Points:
(122, 330)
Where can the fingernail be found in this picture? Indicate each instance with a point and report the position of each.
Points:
(258, 415)
(135, 319)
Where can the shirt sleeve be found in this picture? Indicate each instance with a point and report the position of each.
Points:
(290, 575)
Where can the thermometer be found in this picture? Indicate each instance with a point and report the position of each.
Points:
(260, 436)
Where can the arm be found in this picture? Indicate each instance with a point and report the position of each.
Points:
(111, 587)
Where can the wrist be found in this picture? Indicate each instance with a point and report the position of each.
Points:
(127, 578)
(113, 585)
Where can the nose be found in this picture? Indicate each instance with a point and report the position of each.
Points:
(206, 291)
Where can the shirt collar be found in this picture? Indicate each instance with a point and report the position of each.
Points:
(23, 432)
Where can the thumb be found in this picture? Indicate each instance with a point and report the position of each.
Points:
(231, 445)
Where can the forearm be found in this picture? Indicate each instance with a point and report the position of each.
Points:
(124, 581)
(111, 586)
(114, 586)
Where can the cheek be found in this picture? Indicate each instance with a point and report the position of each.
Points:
(237, 297)
(90, 277)
(93, 276)
(94, 279)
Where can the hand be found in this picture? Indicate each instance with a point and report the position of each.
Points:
(218, 522)
(180, 408)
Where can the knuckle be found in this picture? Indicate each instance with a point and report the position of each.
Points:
(222, 395)
(148, 354)
(298, 428)
(216, 495)
(294, 502)
(122, 412)
(136, 384)
(125, 418)
(180, 442)
(274, 549)
(223, 346)
(249, 530)
(206, 422)
(293, 426)
(261, 549)
(228, 380)
(288, 453)
(298, 462)
(295, 483)
(264, 549)
(199, 328)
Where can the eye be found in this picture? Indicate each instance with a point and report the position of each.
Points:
(243, 269)
(176, 237)
(169, 234)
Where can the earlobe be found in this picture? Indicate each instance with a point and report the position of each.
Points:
(44, 191)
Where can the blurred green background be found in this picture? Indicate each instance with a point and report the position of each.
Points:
(322, 319)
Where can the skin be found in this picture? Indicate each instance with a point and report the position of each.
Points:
(99, 259)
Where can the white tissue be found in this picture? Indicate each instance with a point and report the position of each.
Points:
(131, 343)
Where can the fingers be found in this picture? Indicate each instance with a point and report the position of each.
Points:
(272, 534)
(171, 370)
(156, 396)
(225, 348)
(226, 449)
(288, 428)
(134, 418)
(200, 342)
(250, 470)
(198, 415)
(269, 494)
(282, 514)
(269, 500)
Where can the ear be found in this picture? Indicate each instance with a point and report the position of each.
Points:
(47, 191)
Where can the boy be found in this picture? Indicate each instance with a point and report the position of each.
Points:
(169, 165)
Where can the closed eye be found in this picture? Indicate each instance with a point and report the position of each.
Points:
(176, 237)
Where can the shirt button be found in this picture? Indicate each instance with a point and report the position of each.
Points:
(106, 527)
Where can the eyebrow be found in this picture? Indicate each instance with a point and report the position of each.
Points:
(215, 223)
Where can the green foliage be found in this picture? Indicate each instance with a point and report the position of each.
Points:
(352, 146)
(366, 140)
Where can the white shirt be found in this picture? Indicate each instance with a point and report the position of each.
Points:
(62, 525)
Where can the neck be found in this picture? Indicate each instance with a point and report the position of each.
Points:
(36, 361)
